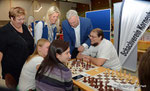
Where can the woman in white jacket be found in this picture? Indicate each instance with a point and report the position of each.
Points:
(49, 27)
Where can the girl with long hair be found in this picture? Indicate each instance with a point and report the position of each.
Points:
(53, 74)
(27, 77)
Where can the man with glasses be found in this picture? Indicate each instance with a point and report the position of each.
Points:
(101, 51)
(76, 30)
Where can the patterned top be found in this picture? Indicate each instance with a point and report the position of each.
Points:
(59, 79)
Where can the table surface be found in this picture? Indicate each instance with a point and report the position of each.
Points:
(91, 73)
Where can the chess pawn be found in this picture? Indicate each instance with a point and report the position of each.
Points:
(100, 89)
(124, 73)
(87, 68)
(120, 71)
(81, 66)
(120, 74)
(96, 86)
(108, 71)
(84, 79)
(133, 80)
(101, 84)
(105, 88)
(92, 82)
(88, 79)
(73, 71)
(112, 73)
(137, 83)
(90, 64)
(129, 77)
(110, 89)
(117, 74)
(126, 80)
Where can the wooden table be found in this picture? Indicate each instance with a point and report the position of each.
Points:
(91, 73)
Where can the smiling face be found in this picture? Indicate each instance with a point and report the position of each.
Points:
(53, 18)
(43, 50)
(74, 21)
(65, 56)
(95, 40)
(18, 21)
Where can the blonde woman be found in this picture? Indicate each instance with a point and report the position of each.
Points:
(48, 28)
(27, 77)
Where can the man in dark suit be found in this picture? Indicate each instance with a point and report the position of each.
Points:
(76, 30)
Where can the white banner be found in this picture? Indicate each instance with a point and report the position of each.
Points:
(135, 20)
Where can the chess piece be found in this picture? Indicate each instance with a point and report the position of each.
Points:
(124, 73)
(105, 88)
(87, 68)
(96, 86)
(101, 84)
(129, 76)
(85, 80)
(90, 64)
(96, 80)
(120, 71)
(132, 81)
(100, 89)
(108, 71)
(99, 75)
(110, 88)
(112, 74)
(92, 82)
(89, 79)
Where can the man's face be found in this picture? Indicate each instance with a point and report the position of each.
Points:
(95, 40)
(74, 21)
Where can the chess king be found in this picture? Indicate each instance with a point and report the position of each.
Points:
(101, 52)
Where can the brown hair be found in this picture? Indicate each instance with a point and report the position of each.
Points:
(144, 71)
(40, 43)
(99, 32)
(51, 61)
(16, 11)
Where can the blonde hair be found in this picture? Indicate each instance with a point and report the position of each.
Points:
(40, 43)
(16, 11)
(50, 11)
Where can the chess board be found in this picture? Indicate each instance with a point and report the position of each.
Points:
(110, 81)
(78, 66)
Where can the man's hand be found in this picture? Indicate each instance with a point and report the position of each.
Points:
(81, 48)
(86, 58)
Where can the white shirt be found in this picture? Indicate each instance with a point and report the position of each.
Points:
(38, 31)
(77, 34)
(107, 51)
(27, 77)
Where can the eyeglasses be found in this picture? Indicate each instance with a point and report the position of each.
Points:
(90, 36)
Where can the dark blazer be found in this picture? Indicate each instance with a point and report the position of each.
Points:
(69, 33)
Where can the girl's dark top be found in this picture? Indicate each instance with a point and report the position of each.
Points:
(16, 47)
(59, 79)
